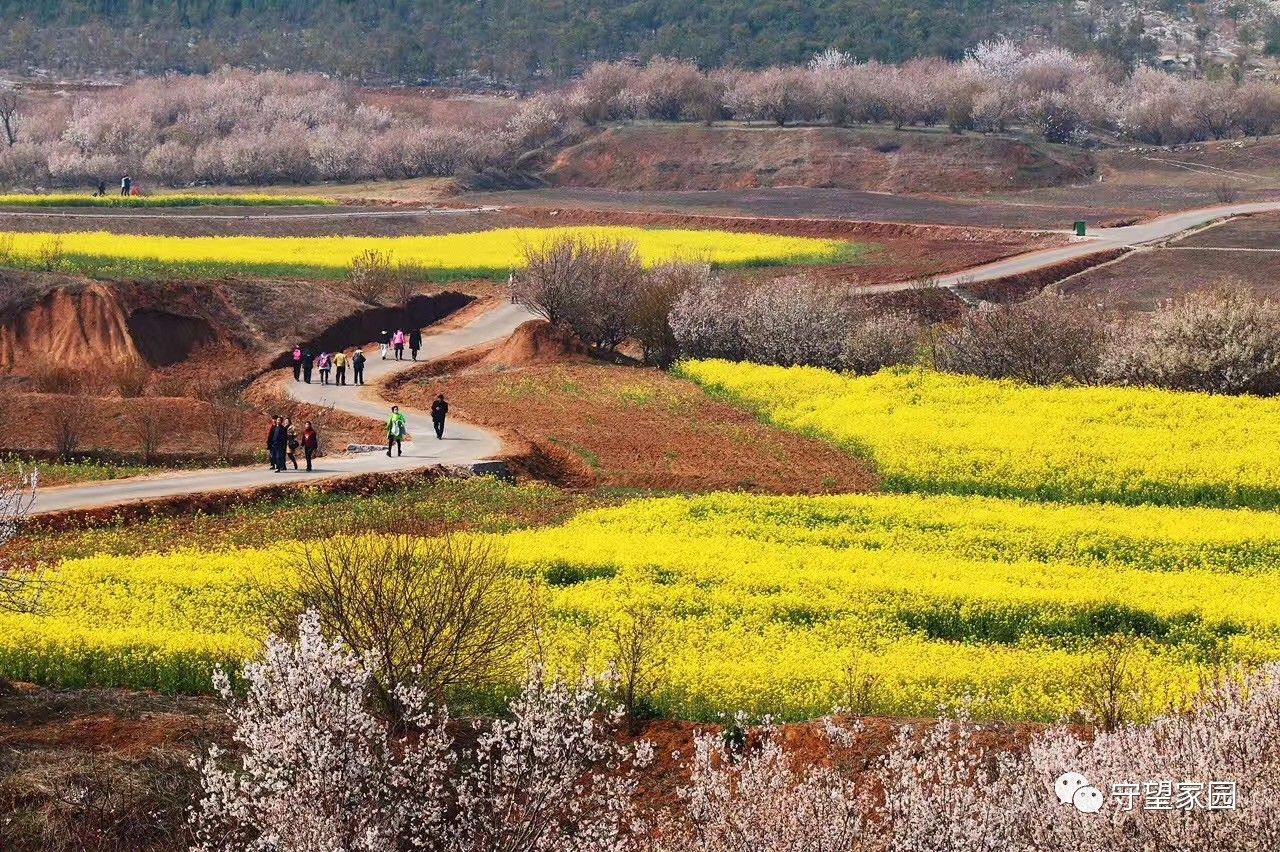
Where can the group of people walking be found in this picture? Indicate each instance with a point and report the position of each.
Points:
(332, 366)
(284, 441)
(396, 343)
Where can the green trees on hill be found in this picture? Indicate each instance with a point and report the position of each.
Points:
(514, 40)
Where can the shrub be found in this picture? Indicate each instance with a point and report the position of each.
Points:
(877, 340)
(438, 615)
(660, 291)
(317, 766)
(592, 287)
(1042, 341)
(795, 321)
(705, 320)
(371, 276)
(1223, 340)
(130, 376)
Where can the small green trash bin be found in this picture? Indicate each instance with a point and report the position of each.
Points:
(1079, 227)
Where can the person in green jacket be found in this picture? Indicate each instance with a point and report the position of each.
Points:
(395, 430)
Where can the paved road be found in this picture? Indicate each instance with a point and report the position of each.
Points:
(463, 444)
(1102, 239)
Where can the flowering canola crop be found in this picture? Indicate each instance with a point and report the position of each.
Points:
(782, 605)
(935, 432)
(478, 254)
(183, 199)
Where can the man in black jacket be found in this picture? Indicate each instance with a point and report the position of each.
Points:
(278, 443)
(439, 411)
(308, 364)
(357, 368)
(415, 342)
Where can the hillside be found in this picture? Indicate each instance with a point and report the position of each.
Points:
(514, 40)
(688, 157)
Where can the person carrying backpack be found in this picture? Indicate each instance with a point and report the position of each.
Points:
(415, 342)
(395, 431)
(357, 367)
(323, 363)
(439, 411)
(310, 443)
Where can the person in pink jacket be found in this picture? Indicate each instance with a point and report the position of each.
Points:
(397, 342)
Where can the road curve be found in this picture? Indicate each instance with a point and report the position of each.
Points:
(463, 444)
(1102, 239)
(466, 444)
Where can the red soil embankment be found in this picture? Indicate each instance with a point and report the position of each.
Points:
(692, 157)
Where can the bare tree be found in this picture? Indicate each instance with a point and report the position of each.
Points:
(130, 375)
(146, 427)
(65, 415)
(1042, 341)
(407, 276)
(1108, 686)
(639, 655)
(439, 614)
(589, 286)
(17, 495)
(10, 107)
(370, 276)
(659, 292)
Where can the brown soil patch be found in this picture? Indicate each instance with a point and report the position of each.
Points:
(692, 157)
(262, 222)
(1013, 288)
(586, 423)
(1147, 277)
(108, 424)
(1054, 208)
(1259, 231)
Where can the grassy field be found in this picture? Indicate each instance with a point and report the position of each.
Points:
(73, 471)
(782, 605)
(486, 254)
(162, 201)
(938, 433)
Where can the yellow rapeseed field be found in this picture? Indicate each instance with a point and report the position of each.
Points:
(478, 254)
(183, 199)
(934, 432)
(785, 605)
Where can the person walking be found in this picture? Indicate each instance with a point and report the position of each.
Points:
(357, 367)
(297, 363)
(323, 364)
(308, 363)
(339, 367)
(102, 190)
(397, 343)
(439, 411)
(384, 338)
(415, 342)
(291, 441)
(126, 184)
(271, 437)
(278, 444)
(395, 431)
(310, 443)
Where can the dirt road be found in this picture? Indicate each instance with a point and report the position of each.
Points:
(463, 444)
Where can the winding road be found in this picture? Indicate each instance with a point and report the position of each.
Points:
(463, 443)
(468, 445)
